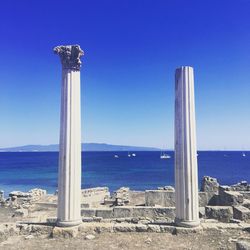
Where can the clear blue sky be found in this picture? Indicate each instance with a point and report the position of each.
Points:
(132, 49)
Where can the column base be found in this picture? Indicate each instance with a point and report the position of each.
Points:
(71, 223)
(184, 223)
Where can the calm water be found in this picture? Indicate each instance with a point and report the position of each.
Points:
(23, 171)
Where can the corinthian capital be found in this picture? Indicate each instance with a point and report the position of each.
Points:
(70, 56)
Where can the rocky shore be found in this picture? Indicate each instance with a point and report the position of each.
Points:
(224, 213)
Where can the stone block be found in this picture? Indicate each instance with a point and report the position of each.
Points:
(221, 213)
(168, 229)
(122, 212)
(124, 227)
(141, 228)
(203, 199)
(21, 212)
(164, 198)
(65, 232)
(41, 230)
(229, 198)
(154, 212)
(85, 212)
(202, 212)
(154, 228)
(246, 194)
(209, 184)
(241, 213)
(136, 198)
(104, 213)
(243, 245)
(246, 203)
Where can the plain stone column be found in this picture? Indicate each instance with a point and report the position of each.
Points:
(186, 180)
(69, 176)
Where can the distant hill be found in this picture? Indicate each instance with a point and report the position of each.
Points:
(85, 147)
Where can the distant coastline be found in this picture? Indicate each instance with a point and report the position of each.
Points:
(85, 147)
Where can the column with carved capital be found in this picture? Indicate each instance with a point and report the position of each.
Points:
(186, 180)
(69, 176)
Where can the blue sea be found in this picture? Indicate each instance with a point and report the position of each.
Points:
(26, 170)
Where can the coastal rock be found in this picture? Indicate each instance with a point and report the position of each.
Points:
(19, 194)
(167, 188)
(2, 196)
(241, 186)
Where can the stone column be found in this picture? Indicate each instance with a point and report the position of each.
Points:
(69, 176)
(186, 180)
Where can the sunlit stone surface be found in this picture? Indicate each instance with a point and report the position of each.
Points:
(69, 177)
(186, 182)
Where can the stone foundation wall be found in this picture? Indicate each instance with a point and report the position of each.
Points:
(168, 213)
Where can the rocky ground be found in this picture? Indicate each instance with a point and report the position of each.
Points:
(131, 241)
(127, 220)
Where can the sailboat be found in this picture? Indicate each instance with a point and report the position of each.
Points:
(133, 154)
(164, 155)
(243, 154)
(129, 155)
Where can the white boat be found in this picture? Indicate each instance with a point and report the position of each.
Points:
(243, 154)
(165, 156)
(116, 156)
(133, 154)
(129, 155)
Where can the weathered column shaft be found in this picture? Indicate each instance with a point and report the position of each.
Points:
(69, 176)
(186, 180)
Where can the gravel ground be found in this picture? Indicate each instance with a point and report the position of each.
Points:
(131, 241)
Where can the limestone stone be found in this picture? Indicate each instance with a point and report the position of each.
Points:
(104, 213)
(203, 199)
(124, 227)
(229, 198)
(89, 237)
(87, 219)
(209, 184)
(29, 237)
(221, 213)
(88, 212)
(168, 229)
(65, 232)
(2, 196)
(186, 176)
(243, 245)
(141, 228)
(246, 203)
(69, 176)
(122, 212)
(41, 229)
(21, 212)
(241, 213)
(181, 230)
(154, 228)
(202, 212)
(164, 198)
(246, 194)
